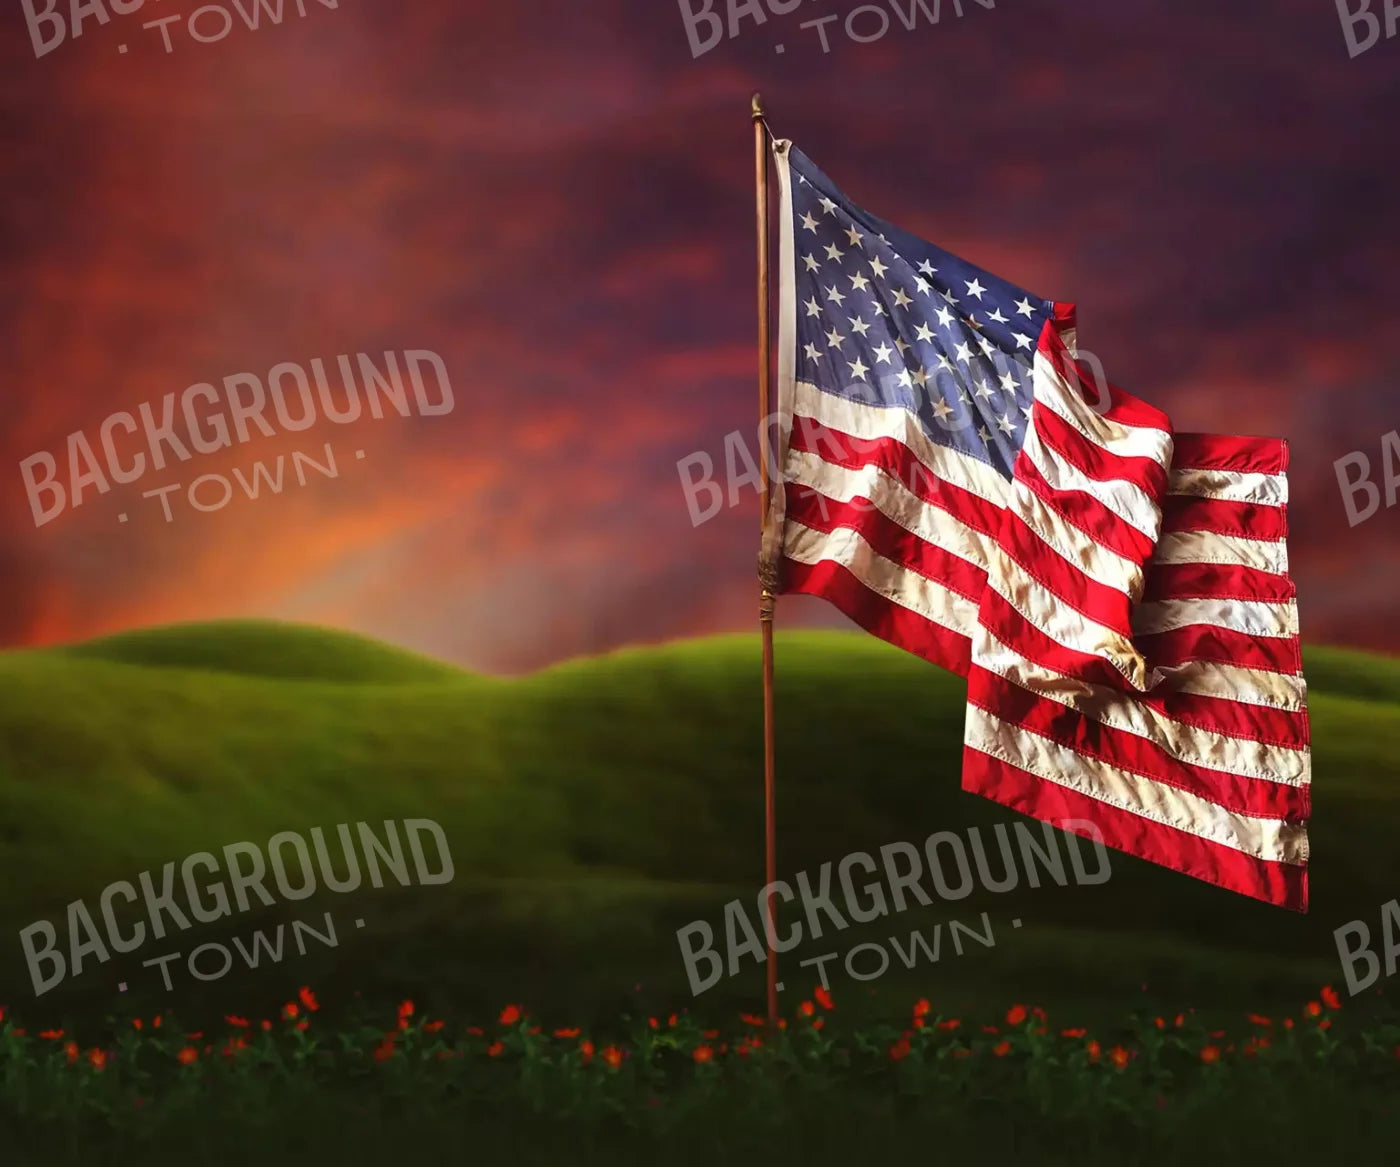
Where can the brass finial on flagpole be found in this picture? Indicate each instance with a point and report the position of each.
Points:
(768, 583)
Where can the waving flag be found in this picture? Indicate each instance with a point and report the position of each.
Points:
(1118, 600)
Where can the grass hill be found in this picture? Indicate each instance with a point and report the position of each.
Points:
(594, 807)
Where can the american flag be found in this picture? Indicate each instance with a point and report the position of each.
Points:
(954, 480)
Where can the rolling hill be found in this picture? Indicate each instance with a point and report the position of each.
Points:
(595, 807)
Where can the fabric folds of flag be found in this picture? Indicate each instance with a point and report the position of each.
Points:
(1209, 772)
(953, 479)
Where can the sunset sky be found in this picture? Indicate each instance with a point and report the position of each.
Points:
(557, 199)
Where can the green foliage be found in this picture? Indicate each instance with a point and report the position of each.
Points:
(1144, 1089)
(595, 807)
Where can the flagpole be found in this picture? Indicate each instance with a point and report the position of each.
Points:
(767, 599)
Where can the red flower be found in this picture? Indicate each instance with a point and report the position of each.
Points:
(613, 1056)
(1210, 1053)
(70, 1049)
(671, 1020)
(1330, 998)
(266, 1024)
(1312, 1009)
(1256, 1019)
(1093, 1048)
(289, 1010)
(1015, 1015)
(586, 1048)
(651, 1021)
(1288, 1023)
(824, 998)
(819, 1022)
(1038, 1012)
(98, 1058)
(494, 1049)
(475, 1030)
(188, 1055)
(752, 1019)
(237, 1022)
(990, 1029)
(703, 1054)
(509, 1015)
(136, 1023)
(156, 1020)
(806, 1008)
(432, 1026)
(1325, 1023)
(709, 1033)
(1073, 1032)
(385, 1049)
(1002, 1048)
(900, 1050)
(308, 999)
(51, 1034)
(303, 1025)
(1180, 1020)
(1118, 1056)
(405, 1010)
(921, 1007)
(1160, 1023)
(951, 1024)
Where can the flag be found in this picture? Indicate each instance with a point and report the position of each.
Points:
(1116, 595)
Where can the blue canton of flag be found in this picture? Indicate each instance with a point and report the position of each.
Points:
(886, 318)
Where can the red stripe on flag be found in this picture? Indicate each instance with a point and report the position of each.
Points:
(1093, 459)
(1248, 520)
(1258, 797)
(1086, 514)
(1245, 455)
(1259, 723)
(1007, 624)
(1100, 603)
(1209, 642)
(878, 616)
(1279, 883)
(1219, 581)
(816, 510)
(898, 461)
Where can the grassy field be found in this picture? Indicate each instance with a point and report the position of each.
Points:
(595, 807)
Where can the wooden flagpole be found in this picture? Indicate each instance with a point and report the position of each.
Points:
(767, 598)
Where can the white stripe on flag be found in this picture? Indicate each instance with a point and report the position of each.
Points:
(1270, 839)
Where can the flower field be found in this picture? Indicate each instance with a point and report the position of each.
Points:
(1018, 1081)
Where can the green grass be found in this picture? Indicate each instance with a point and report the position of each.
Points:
(595, 807)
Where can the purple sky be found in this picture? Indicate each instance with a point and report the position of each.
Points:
(557, 199)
